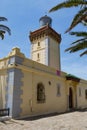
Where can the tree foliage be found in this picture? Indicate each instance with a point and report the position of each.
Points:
(80, 17)
(3, 28)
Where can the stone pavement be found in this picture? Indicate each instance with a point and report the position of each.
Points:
(69, 121)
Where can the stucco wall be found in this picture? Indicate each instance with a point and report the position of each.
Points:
(54, 54)
(81, 99)
(53, 102)
(3, 84)
(41, 50)
(19, 78)
(3, 81)
(49, 52)
(26, 97)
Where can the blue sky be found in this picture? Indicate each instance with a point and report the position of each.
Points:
(23, 16)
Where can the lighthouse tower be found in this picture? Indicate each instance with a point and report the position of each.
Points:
(45, 44)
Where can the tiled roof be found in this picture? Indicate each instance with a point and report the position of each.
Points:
(72, 77)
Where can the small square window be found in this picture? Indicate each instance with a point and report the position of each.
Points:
(38, 43)
(49, 83)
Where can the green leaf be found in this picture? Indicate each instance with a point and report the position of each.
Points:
(80, 46)
(2, 34)
(68, 4)
(79, 17)
(79, 34)
(84, 53)
(5, 28)
(3, 19)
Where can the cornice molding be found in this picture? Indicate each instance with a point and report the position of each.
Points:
(45, 31)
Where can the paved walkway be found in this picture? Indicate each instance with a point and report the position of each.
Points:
(69, 121)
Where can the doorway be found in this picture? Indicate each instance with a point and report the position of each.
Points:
(70, 98)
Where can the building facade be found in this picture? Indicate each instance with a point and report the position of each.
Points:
(37, 86)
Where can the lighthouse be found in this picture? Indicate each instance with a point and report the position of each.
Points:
(45, 44)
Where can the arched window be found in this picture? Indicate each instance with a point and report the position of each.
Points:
(40, 93)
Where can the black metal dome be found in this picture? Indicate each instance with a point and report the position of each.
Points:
(45, 20)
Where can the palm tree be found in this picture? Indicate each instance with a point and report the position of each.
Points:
(3, 28)
(79, 44)
(80, 17)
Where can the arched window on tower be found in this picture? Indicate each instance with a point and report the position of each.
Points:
(40, 93)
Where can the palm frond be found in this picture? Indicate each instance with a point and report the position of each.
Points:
(82, 17)
(80, 40)
(3, 19)
(79, 14)
(68, 4)
(79, 17)
(2, 34)
(84, 53)
(84, 22)
(79, 34)
(80, 46)
(5, 28)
